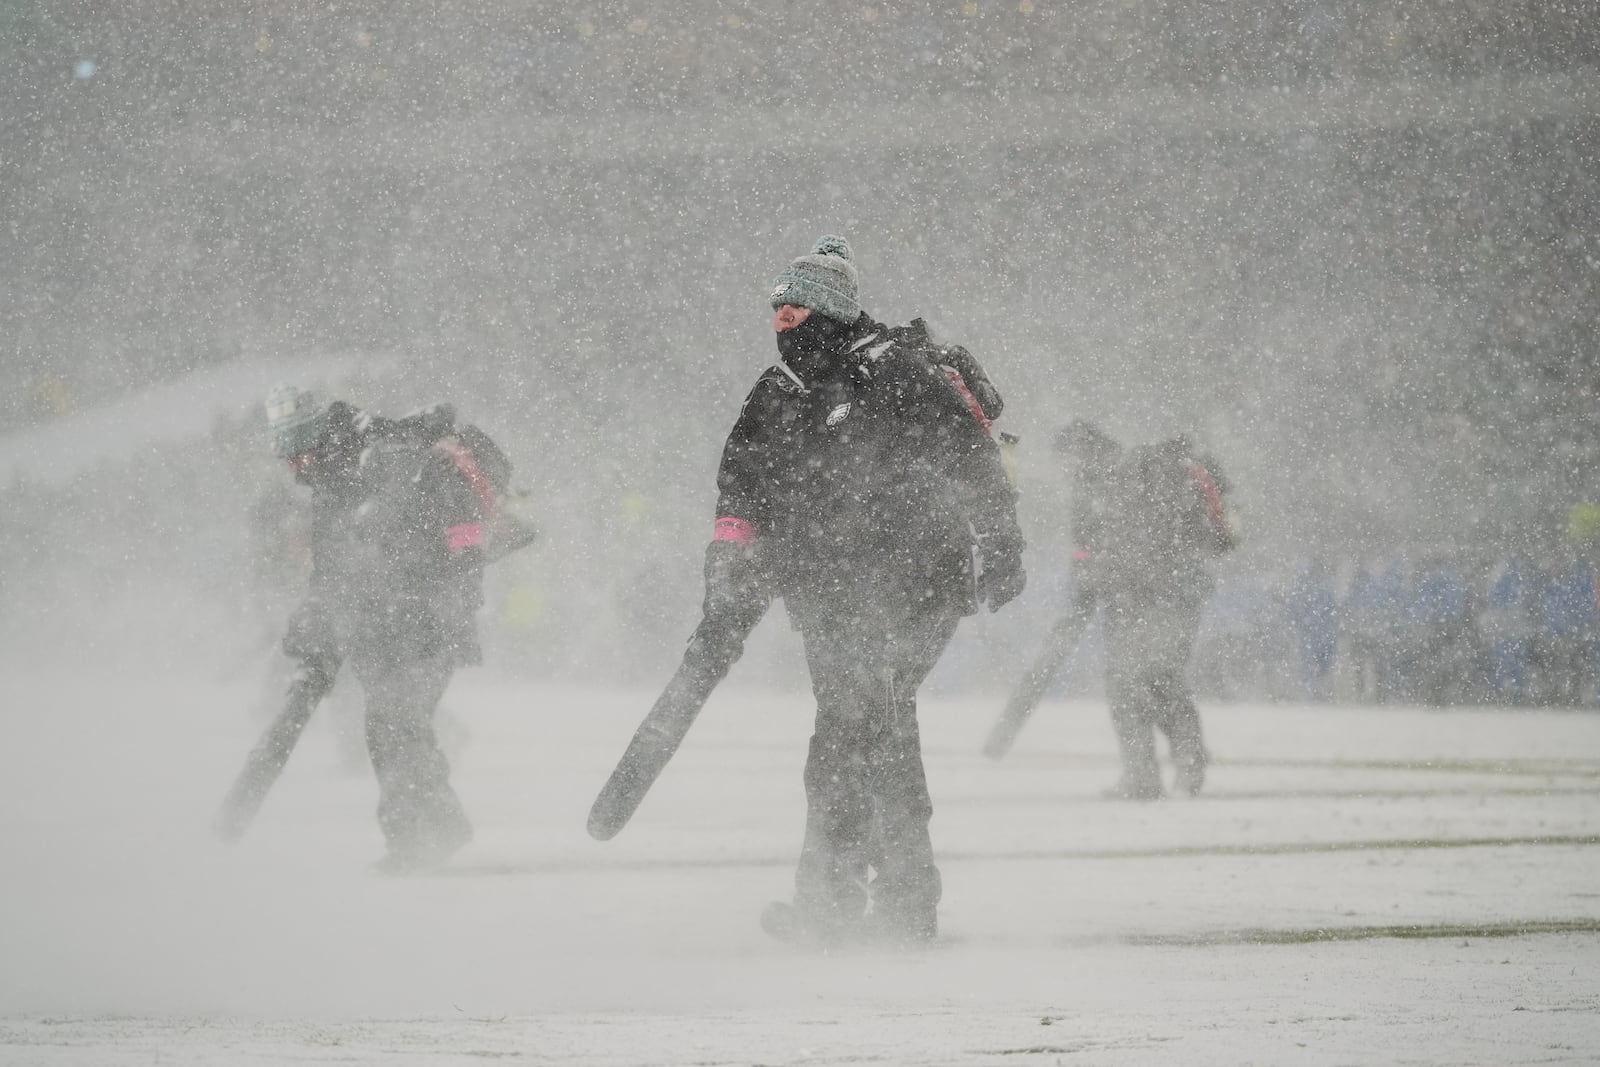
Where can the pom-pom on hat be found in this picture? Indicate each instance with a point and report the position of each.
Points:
(824, 281)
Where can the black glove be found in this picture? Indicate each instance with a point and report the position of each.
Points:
(309, 635)
(1002, 578)
(733, 580)
(311, 641)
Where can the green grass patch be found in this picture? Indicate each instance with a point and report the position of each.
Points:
(1543, 768)
(1405, 931)
(1292, 848)
(1288, 848)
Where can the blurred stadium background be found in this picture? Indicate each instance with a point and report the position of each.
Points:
(1353, 248)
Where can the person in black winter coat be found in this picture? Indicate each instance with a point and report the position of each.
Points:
(1164, 522)
(397, 534)
(859, 485)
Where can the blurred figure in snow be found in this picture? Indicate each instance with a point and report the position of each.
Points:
(1166, 520)
(1371, 619)
(1569, 642)
(1312, 614)
(399, 515)
(1508, 622)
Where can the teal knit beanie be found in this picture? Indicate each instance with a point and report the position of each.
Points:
(824, 281)
(296, 419)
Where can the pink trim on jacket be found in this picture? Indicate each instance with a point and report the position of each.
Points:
(729, 528)
(463, 536)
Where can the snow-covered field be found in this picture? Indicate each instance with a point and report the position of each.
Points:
(1356, 886)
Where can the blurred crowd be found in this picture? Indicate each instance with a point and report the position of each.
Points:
(1448, 628)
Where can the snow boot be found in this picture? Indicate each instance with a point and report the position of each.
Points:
(809, 928)
(897, 928)
(429, 850)
(1181, 723)
(1130, 787)
(1136, 742)
(1191, 776)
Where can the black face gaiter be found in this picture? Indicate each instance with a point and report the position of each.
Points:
(811, 348)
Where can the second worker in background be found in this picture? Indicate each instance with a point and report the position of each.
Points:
(399, 514)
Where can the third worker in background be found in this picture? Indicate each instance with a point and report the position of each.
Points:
(1163, 523)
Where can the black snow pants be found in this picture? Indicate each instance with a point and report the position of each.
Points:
(421, 816)
(867, 803)
(404, 667)
(419, 813)
(1150, 635)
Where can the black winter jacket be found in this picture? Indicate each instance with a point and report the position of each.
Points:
(396, 557)
(874, 479)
